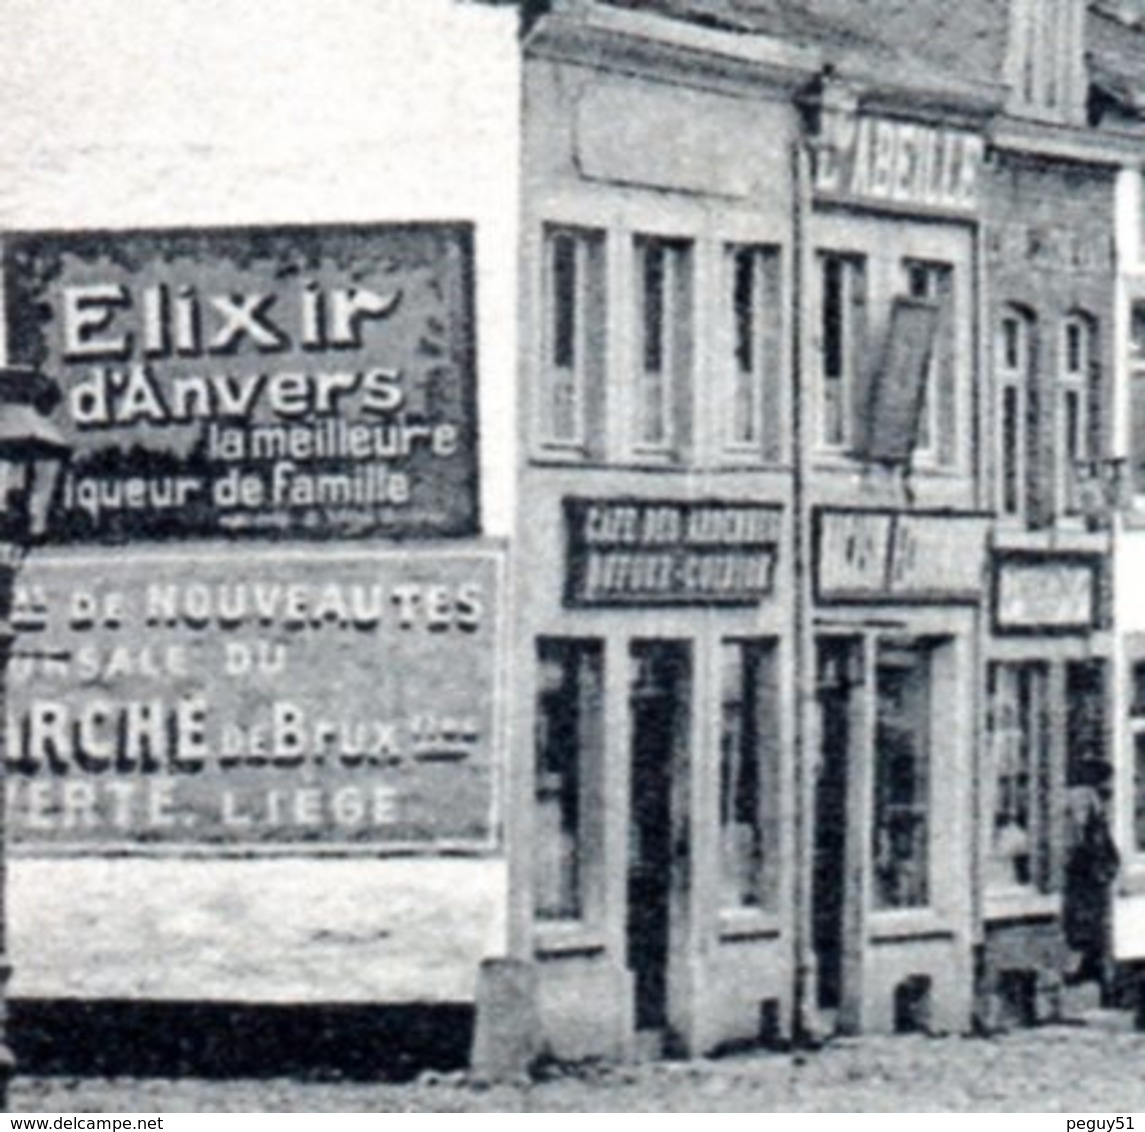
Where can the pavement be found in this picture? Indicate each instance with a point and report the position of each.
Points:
(1093, 1063)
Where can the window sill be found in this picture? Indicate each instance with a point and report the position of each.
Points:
(552, 452)
(743, 924)
(1020, 904)
(843, 460)
(569, 940)
(908, 924)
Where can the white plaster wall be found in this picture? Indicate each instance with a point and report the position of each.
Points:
(153, 113)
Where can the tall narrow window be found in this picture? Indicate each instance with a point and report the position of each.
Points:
(901, 847)
(1078, 392)
(756, 310)
(664, 290)
(749, 774)
(568, 750)
(573, 337)
(1013, 370)
(938, 419)
(842, 332)
(1017, 742)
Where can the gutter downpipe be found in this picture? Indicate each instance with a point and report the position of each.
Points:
(803, 1026)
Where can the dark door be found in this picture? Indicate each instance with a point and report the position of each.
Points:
(657, 838)
(835, 663)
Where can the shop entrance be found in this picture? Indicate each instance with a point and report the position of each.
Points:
(659, 702)
(837, 661)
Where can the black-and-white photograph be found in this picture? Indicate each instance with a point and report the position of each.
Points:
(572, 556)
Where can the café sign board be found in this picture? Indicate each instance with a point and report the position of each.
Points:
(335, 698)
(302, 382)
(889, 162)
(670, 552)
(875, 556)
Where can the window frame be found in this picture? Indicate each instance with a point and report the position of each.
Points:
(835, 424)
(758, 722)
(663, 332)
(1013, 380)
(886, 812)
(754, 395)
(1032, 679)
(1076, 384)
(584, 376)
(572, 867)
(938, 435)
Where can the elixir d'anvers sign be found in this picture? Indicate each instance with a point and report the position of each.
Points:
(287, 381)
(329, 697)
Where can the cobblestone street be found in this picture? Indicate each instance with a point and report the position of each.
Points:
(1098, 1066)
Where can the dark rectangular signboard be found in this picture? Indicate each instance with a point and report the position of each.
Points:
(309, 382)
(669, 552)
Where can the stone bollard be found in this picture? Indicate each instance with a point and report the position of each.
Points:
(506, 1031)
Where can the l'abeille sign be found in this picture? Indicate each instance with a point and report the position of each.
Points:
(884, 161)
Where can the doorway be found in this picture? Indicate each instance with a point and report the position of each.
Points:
(659, 705)
(836, 663)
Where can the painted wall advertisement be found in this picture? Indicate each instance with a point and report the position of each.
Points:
(342, 697)
(282, 381)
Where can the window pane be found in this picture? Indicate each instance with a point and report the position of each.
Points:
(1137, 725)
(572, 397)
(755, 328)
(564, 301)
(1075, 362)
(653, 306)
(748, 774)
(1017, 743)
(1011, 344)
(570, 680)
(745, 309)
(664, 321)
(902, 777)
(1137, 334)
(1139, 790)
(1012, 437)
(834, 348)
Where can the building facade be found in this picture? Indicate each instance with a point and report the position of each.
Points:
(750, 555)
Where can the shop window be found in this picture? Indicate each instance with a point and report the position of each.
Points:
(1014, 360)
(1079, 393)
(664, 362)
(753, 424)
(842, 345)
(1137, 398)
(1086, 696)
(574, 316)
(901, 848)
(1018, 749)
(568, 749)
(749, 774)
(938, 419)
(1137, 735)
